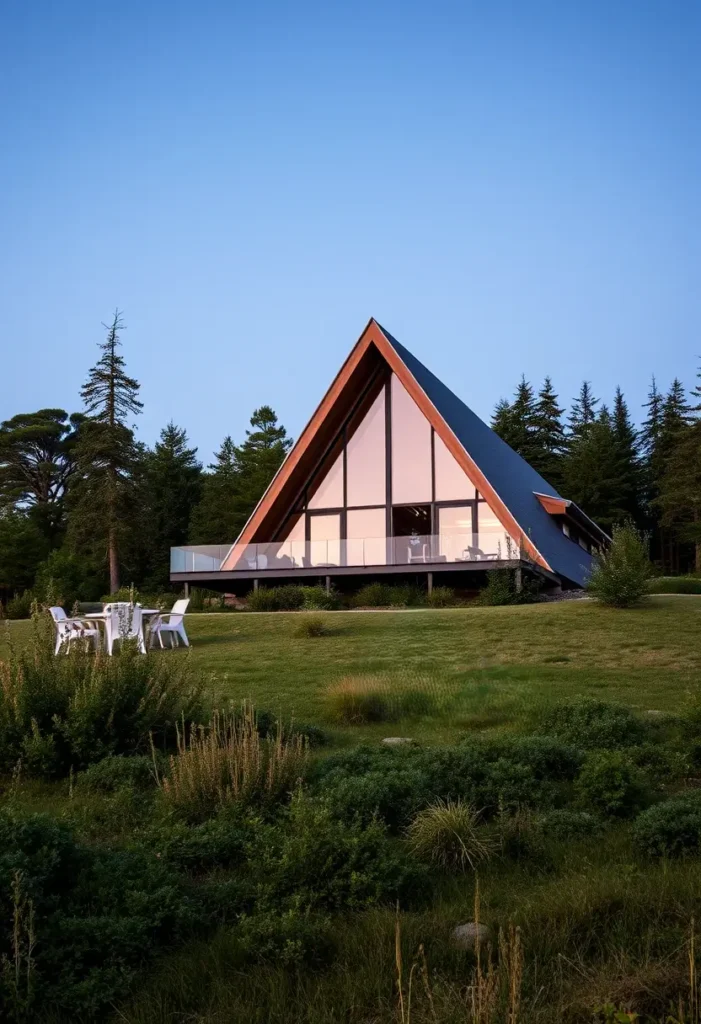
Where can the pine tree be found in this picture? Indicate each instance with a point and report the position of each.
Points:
(173, 488)
(214, 519)
(101, 498)
(583, 411)
(36, 461)
(679, 487)
(593, 469)
(258, 460)
(515, 422)
(628, 444)
(549, 442)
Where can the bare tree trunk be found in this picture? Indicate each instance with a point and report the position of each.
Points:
(114, 562)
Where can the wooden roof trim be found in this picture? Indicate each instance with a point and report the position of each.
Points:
(555, 506)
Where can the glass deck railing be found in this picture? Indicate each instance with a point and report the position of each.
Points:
(488, 545)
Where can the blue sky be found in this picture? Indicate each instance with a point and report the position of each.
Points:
(507, 187)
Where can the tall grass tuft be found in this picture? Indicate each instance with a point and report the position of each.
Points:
(228, 761)
(448, 833)
(359, 700)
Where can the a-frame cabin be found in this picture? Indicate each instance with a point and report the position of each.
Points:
(395, 476)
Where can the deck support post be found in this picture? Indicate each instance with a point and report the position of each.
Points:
(518, 579)
(255, 585)
(187, 589)
(328, 584)
(429, 577)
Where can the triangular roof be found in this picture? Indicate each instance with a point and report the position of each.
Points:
(516, 493)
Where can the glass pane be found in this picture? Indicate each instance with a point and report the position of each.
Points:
(451, 483)
(491, 538)
(365, 465)
(411, 530)
(325, 540)
(326, 490)
(293, 541)
(455, 537)
(366, 544)
(411, 448)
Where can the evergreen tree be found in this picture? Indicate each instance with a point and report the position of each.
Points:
(214, 518)
(515, 422)
(628, 444)
(103, 509)
(173, 486)
(583, 412)
(549, 442)
(679, 484)
(258, 460)
(22, 547)
(593, 470)
(36, 461)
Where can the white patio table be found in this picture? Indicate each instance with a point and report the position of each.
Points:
(101, 617)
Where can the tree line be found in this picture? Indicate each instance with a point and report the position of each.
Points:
(86, 506)
(617, 472)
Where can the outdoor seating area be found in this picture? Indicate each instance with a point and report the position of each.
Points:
(119, 621)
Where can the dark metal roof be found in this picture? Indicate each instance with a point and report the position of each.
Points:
(514, 480)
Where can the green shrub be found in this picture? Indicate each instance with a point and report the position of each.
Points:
(660, 764)
(448, 833)
(590, 723)
(217, 843)
(387, 595)
(546, 757)
(564, 824)
(670, 829)
(442, 597)
(69, 712)
(394, 796)
(20, 606)
(65, 578)
(501, 588)
(311, 626)
(118, 772)
(675, 585)
(97, 916)
(611, 784)
(290, 939)
(317, 598)
(276, 599)
(310, 860)
(621, 574)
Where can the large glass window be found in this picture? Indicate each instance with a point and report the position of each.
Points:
(326, 490)
(365, 461)
(456, 539)
(325, 539)
(411, 449)
(366, 530)
(451, 482)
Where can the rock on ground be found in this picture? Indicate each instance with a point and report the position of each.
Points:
(465, 935)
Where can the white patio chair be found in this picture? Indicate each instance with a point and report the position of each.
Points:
(124, 621)
(72, 629)
(417, 553)
(173, 624)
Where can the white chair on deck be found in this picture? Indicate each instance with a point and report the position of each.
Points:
(72, 629)
(124, 621)
(173, 624)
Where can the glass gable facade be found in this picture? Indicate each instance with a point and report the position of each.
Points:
(389, 491)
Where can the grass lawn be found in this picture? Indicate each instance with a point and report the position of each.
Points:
(600, 923)
(486, 666)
